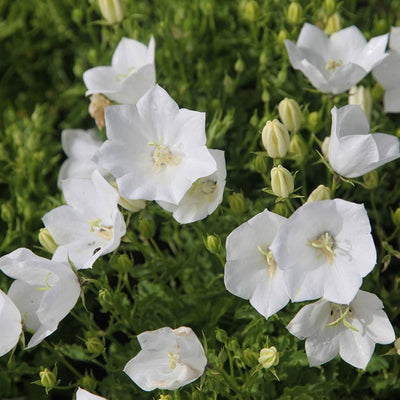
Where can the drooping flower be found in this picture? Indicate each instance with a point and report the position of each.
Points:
(169, 359)
(131, 74)
(155, 150)
(335, 64)
(204, 195)
(325, 249)
(82, 394)
(251, 271)
(44, 291)
(387, 73)
(348, 330)
(10, 322)
(89, 225)
(80, 146)
(353, 151)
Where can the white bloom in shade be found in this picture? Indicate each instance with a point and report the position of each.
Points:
(348, 330)
(387, 73)
(82, 394)
(169, 359)
(251, 271)
(325, 249)
(10, 322)
(44, 291)
(204, 195)
(80, 146)
(155, 150)
(131, 74)
(353, 151)
(90, 225)
(335, 64)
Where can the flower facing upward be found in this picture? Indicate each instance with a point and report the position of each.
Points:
(353, 151)
(325, 249)
(349, 330)
(335, 64)
(44, 291)
(251, 271)
(131, 74)
(155, 150)
(169, 359)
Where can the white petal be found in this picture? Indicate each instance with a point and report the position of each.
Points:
(356, 348)
(392, 100)
(82, 394)
(311, 37)
(323, 348)
(81, 144)
(345, 77)
(373, 53)
(100, 80)
(10, 322)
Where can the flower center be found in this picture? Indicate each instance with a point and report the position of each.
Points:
(269, 259)
(332, 65)
(341, 314)
(325, 244)
(105, 232)
(121, 77)
(204, 187)
(163, 157)
(173, 359)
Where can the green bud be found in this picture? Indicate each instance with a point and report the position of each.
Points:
(275, 139)
(213, 244)
(236, 203)
(265, 96)
(290, 114)
(111, 10)
(88, 382)
(124, 263)
(229, 85)
(397, 346)
(95, 345)
(239, 65)
(221, 336)
(105, 297)
(396, 217)
(7, 213)
(269, 357)
(280, 208)
(294, 14)
(362, 96)
(47, 241)
(260, 164)
(48, 379)
(333, 24)
(371, 180)
(282, 35)
(281, 181)
(249, 357)
(329, 6)
(250, 11)
(298, 148)
(166, 397)
(313, 121)
(321, 192)
(147, 227)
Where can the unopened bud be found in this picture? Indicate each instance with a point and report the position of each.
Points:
(397, 345)
(250, 11)
(124, 263)
(147, 227)
(213, 244)
(132, 205)
(333, 24)
(239, 65)
(330, 6)
(282, 35)
(105, 297)
(229, 85)
(280, 208)
(48, 379)
(269, 357)
(294, 14)
(221, 335)
(281, 181)
(313, 121)
(275, 138)
(298, 148)
(95, 345)
(260, 164)
(321, 192)
(362, 96)
(165, 397)
(290, 114)
(396, 217)
(236, 203)
(112, 10)
(96, 109)
(371, 180)
(88, 382)
(325, 147)
(47, 241)
(249, 357)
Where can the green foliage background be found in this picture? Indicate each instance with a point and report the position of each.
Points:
(227, 58)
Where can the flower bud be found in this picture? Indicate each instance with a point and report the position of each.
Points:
(249, 357)
(396, 217)
(124, 263)
(282, 35)
(362, 96)
(95, 345)
(147, 227)
(294, 14)
(280, 208)
(250, 11)
(313, 121)
(269, 357)
(221, 335)
(47, 241)
(96, 109)
(275, 138)
(213, 244)
(7, 212)
(333, 24)
(111, 10)
(165, 397)
(48, 379)
(298, 148)
(260, 164)
(371, 180)
(236, 203)
(88, 382)
(397, 345)
(132, 205)
(329, 6)
(290, 114)
(281, 181)
(319, 193)
(325, 147)
(105, 297)
(239, 65)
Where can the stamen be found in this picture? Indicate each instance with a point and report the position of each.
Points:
(173, 359)
(163, 157)
(269, 258)
(326, 245)
(331, 65)
(120, 77)
(204, 187)
(46, 281)
(105, 232)
(340, 314)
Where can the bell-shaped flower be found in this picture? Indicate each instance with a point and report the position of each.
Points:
(203, 197)
(10, 322)
(169, 359)
(80, 146)
(44, 291)
(131, 74)
(335, 64)
(325, 249)
(82, 394)
(155, 150)
(89, 225)
(348, 330)
(251, 271)
(387, 73)
(353, 151)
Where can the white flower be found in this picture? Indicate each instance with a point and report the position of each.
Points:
(349, 330)
(335, 64)
(131, 74)
(325, 249)
(82, 394)
(44, 291)
(90, 225)
(169, 359)
(10, 322)
(251, 271)
(80, 146)
(353, 151)
(387, 73)
(155, 150)
(204, 195)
